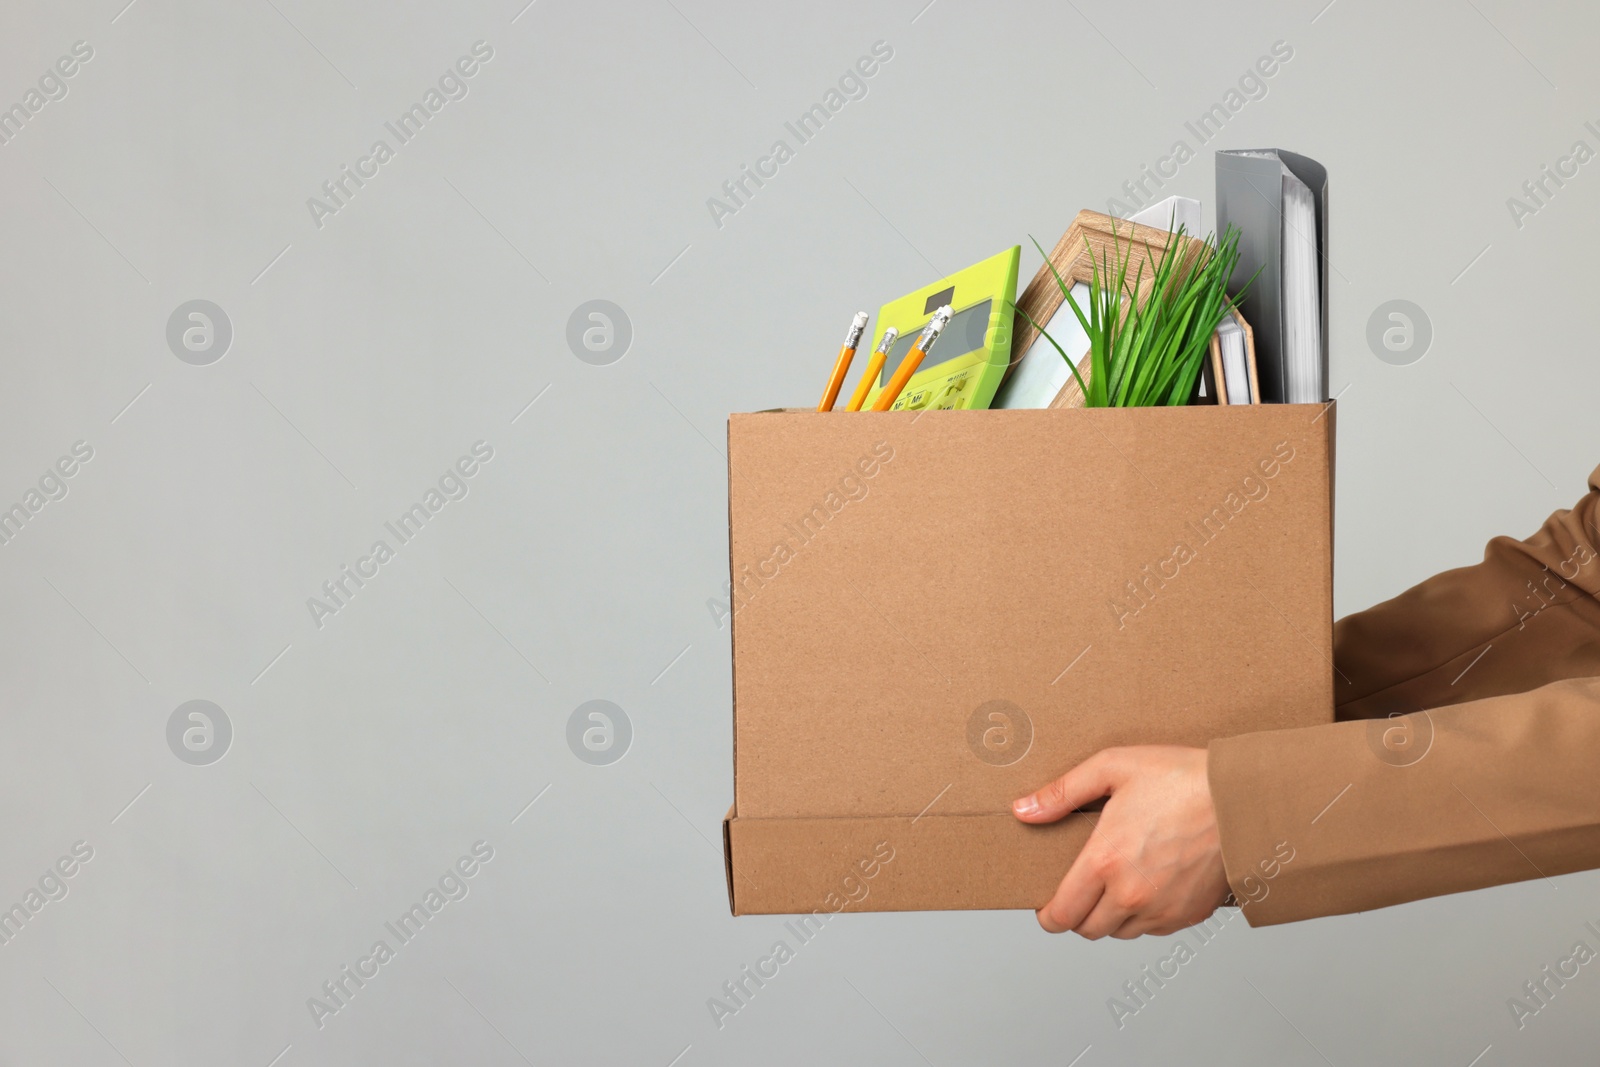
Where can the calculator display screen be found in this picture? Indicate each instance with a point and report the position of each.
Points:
(964, 333)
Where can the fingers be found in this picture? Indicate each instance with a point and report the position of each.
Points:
(1139, 925)
(1133, 926)
(1077, 894)
(1092, 779)
(1069, 907)
(1106, 918)
(1103, 895)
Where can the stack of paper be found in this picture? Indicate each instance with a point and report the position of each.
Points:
(1235, 367)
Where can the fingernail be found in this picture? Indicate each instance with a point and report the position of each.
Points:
(1026, 806)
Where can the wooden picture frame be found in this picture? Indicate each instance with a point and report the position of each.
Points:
(1215, 378)
(1090, 240)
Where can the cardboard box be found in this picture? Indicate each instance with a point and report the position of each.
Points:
(936, 612)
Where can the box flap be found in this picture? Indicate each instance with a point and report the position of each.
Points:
(727, 860)
(789, 866)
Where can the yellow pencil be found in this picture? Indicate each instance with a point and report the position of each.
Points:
(874, 368)
(913, 360)
(842, 365)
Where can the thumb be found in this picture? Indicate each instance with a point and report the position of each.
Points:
(1096, 777)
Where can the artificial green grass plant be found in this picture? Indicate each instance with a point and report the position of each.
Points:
(1147, 354)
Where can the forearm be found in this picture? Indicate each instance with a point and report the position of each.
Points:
(1493, 783)
(1495, 790)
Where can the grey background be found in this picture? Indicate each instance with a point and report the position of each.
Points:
(370, 353)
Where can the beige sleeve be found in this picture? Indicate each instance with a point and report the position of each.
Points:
(1489, 777)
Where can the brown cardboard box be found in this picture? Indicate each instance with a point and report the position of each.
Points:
(935, 612)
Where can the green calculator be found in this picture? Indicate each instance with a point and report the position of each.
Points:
(966, 364)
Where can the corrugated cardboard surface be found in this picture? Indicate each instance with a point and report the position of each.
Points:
(938, 862)
(1098, 577)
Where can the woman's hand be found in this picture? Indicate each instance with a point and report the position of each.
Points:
(1154, 862)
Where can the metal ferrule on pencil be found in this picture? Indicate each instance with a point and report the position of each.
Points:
(931, 331)
(852, 340)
